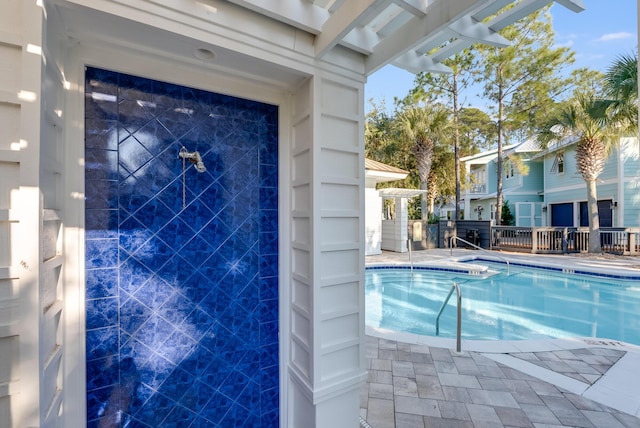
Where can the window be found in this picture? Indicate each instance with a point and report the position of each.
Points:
(509, 170)
(558, 164)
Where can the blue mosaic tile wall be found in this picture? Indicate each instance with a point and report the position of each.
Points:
(181, 281)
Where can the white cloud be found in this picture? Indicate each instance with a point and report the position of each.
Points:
(614, 36)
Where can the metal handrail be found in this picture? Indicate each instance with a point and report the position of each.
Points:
(455, 287)
(478, 248)
(410, 254)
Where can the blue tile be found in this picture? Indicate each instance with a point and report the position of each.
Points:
(101, 164)
(97, 78)
(101, 372)
(196, 299)
(172, 194)
(155, 410)
(268, 332)
(197, 396)
(102, 312)
(268, 243)
(197, 214)
(175, 386)
(177, 272)
(216, 373)
(154, 332)
(154, 293)
(133, 314)
(101, 283)
(196, 324)
(153, 254)
(247, 398)
(101, 194)
(133, 154)
(198, 361)
(154, 215)
(269, 355)
(269, 265)
(215, 303)
(196, 287)
(101, 224)
(249, 365)
(268, 376)
(268, 288)
(133, 274)
(97, 108)
(179, 417)
(238, 416)
(176, 309)
(97, 402)
(270, 403)
(133, 234)
(102, 343)
(268, 198)
(268, 310)
(154, 371)
(196, 251)
(216, 409)
(268, 220)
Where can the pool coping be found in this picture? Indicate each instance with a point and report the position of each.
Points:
(463, 265)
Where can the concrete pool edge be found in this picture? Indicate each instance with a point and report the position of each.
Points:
(616, 388)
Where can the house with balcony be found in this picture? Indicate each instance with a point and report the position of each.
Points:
(548, 190)
(565, 192)
(522, 184)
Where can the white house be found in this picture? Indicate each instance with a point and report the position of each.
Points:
(182, 231)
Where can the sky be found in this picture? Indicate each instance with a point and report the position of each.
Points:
(605, 30)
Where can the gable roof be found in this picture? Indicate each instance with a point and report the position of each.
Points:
(372, 165)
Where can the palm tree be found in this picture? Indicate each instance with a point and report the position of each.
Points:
(621, 84)
(422, 127)
(596, 133)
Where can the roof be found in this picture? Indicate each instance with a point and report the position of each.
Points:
(530, 145)
(392, 192)
(371, 165)
(415, 35)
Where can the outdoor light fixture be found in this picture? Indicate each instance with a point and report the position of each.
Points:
(613, 205)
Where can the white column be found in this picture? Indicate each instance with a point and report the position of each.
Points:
(326, 337)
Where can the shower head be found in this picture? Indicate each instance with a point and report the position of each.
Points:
(200, 166)
(194, 158)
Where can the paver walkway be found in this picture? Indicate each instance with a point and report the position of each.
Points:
(419, 386)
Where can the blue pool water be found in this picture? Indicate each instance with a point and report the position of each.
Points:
(527, 303)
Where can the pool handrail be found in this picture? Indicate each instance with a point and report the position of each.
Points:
(410, 254)
(457, 238)
(455, 287)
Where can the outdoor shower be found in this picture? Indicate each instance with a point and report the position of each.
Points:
(194, 158)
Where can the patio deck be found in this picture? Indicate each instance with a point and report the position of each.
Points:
(420, 381)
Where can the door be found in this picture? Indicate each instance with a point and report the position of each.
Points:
(562, 215)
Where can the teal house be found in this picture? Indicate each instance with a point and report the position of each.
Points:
(543, 187)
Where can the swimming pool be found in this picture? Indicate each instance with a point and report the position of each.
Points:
(527, 303)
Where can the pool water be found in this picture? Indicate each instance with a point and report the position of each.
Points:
(527, 303)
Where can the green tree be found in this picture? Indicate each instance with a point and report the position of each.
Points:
(579, 118)
(521, 81)
(621, 86)
(420, 127)
(448, 88)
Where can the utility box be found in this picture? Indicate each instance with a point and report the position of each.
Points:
(473, 236)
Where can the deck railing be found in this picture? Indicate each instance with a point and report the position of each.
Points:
(559, 240)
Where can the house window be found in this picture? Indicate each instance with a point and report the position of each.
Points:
(509, 170)
(558, 164)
